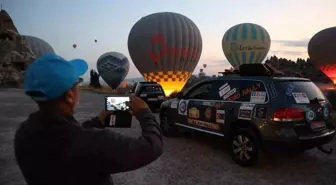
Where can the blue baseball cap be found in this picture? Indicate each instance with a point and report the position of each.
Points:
(50, 76)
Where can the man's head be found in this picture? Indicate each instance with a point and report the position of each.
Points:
(53, 82)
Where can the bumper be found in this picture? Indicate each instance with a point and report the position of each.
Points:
(299, 142)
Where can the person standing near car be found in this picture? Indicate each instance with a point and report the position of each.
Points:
(52, 148)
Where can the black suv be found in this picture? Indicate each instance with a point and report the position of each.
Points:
(254, 109)
(151, 92)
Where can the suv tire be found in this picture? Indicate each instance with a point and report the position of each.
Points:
(167, 128)
(244, 147)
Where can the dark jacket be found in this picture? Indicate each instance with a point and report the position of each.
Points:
(54, 149)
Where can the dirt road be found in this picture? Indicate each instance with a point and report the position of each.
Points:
(197, 159)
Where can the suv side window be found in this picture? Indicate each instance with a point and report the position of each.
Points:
(201, 91)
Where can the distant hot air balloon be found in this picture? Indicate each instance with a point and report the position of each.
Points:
(165, 48)
(113, 67)
(38, 46)
(74, 46)
(246, 43)
(322, 51)
(204, 65)
(201, 70)
(95, 40)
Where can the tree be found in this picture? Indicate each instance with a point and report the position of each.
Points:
(94, 79)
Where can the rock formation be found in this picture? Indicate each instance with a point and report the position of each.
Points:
(15, 54)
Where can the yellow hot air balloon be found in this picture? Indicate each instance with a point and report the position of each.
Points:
(246, 43)
(165, 47)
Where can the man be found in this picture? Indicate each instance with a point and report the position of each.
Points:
(52, 148)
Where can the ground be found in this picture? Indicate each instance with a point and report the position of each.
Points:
(196, 159)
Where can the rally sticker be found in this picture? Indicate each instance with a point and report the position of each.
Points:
(260, 112)
(220, 116)
(173, 105)
(258, 96)
(290, 89)
(310, 115)
(224, 89)
(245, 111)
(182, 107)
(300, 97)
(230, 93)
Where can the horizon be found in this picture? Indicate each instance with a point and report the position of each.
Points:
(81, 22)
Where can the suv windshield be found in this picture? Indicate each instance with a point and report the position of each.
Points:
(308, 87)
(151, 89)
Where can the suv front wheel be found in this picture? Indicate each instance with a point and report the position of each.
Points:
(244, 147)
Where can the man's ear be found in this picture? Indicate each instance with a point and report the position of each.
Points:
(69, 95)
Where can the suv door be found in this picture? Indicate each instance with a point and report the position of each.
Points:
(231, 94)
(195, 109)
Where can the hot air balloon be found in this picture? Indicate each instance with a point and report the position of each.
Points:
(113, 68)
(204, 65)
(321, 50)
(38, 46)
(246, 43)
(74, 46)
(95, 40)
(201, 70)
(165, 47)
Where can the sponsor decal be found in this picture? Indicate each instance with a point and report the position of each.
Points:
(218, 105)
(220, 116)
(245, 111)
(248, 90)
(310, 115)
(230, 93)
(290, 89)
(300, 97)
(224, 89)
(208, 113)
(193, 113)
(258, 96)
(235, 97)
(260, 112)
(208, 103)
(204, 124)
(182, 107)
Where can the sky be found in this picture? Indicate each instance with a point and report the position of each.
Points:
(61, 23)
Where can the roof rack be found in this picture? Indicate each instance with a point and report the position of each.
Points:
(253, 70)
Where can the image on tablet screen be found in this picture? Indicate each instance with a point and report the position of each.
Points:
(117, 103)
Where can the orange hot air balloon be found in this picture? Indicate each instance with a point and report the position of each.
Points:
(165, 47)
(322, 51)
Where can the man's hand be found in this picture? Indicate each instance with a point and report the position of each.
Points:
(136, 104)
